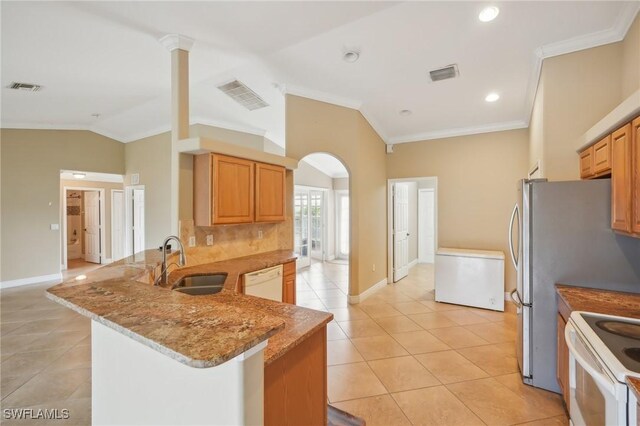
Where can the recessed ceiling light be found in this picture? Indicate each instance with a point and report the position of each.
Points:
(488, 14)
(351, 55)
(78, 175)
(405, 113)
(492, 97)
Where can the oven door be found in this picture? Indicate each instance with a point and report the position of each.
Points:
(596, 397)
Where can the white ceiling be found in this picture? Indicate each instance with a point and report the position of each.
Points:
(327, 164)
(104, 57)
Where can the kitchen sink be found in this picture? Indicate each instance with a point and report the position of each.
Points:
(201, 284)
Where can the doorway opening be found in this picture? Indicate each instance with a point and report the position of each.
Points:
(87, 234)
(412, 227)
(321, 231)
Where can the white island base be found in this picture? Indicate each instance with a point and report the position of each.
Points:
(133, 384)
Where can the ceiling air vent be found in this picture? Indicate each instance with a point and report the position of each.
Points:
(24, 86)
(243, 95)
(450, 71)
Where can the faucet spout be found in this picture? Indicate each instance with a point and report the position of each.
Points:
(182, 260)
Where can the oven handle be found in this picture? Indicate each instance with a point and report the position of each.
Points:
(589, 367)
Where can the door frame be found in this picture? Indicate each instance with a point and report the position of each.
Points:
(421, 225)
(114, 191)
(128, 217)
(63, 235)
(337, 241)
(390, 183)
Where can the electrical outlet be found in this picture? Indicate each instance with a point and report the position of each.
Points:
(209, 240)
(373, 268)
(54, 227)
(260, 234)
(192, 241)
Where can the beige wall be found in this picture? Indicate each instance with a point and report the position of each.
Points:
(341, 184)
(307, 175)
(477, 185)
(108, 187)
(31, 161)
(631, 60)
(314, 126)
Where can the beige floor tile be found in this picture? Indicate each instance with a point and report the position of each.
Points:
(493, 359)
(39, 327)
(361, 328)
(57, 339)
(19, 343)
(336, 302)
(493, 402)
(435, 406)
(408, 308)
(419, 342)
(8, 327)
(379, 310)
(492, 316)
(342, 352)
(432, 320)
(552, 421)
(304, 296)
(349, 313)
(47, 387)
(458, 337)
(79, 413)
(352, 381)
(378, 347)
(440, 307)
(334, 332)
(312, 304)
(376, 411)
(548, 404)
(76, 357)
(398, 324)
(494, 332)
(450, 366)
(402, 373)
(10, 384)
(29, 363)
(464, 317)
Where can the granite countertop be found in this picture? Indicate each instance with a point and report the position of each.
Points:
(199, 331)
(600, 301)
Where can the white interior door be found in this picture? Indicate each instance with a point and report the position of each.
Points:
(400, 231)
(117, 225)
(301, 232)
(138, 220)
(92, 226)
(316, 216)
(342, 222)
(426, 226)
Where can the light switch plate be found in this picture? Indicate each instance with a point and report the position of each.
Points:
(209, 240)
(192, 241)
(54, 227)
(260, 235)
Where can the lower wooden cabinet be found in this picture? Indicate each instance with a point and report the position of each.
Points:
(289, 283)
(562, 367)
(295, 385)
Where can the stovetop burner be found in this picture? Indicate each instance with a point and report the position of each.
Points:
(620, 328)
(633, 353)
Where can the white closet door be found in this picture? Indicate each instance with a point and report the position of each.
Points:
(400, 231)
(117, 225)
(138, 220)
(92, 226)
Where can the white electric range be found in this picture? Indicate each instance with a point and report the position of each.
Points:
(603, 351)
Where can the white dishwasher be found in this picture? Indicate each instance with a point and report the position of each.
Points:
(266, 283)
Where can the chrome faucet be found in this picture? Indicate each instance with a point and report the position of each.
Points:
(182, 260)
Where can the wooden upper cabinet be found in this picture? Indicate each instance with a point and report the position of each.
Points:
(270, 193)
(602, 156)
(586, 163)
(621, 179)
(232, 190)
(635, 150)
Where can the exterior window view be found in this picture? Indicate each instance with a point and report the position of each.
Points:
(320, 213)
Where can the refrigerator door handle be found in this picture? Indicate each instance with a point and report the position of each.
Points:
(514, 214)
(516, 299)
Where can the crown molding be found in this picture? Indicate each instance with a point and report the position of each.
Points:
(462, 131)
(172, 42)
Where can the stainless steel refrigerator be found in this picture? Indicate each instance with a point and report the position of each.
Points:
(560, 232)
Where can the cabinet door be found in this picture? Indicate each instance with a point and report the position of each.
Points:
(602, 156)
(586, 163)
(232, 190)
(635, 149)
(621, 179)
(270, 193)
(562, 367)
(289, 286)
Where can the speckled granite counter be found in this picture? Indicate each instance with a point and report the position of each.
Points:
(600, 301)
(199, 331)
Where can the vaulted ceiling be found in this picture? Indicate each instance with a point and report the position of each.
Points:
(104, 58)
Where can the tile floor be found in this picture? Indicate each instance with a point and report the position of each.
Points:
(399, 358)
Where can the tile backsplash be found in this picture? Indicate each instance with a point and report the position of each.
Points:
(231, 241)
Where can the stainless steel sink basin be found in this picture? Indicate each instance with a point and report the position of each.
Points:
(199, 291)
(201, 284)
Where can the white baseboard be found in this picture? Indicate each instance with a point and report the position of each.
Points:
(106, 261)
(30, 280)
(413, 263)
(368, 292)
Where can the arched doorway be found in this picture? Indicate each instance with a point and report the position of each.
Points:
(322, 231)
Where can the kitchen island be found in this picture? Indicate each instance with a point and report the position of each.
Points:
(163, 357)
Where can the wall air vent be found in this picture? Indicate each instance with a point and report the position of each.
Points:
(243, 95)
(27, 87)
(450, 71)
